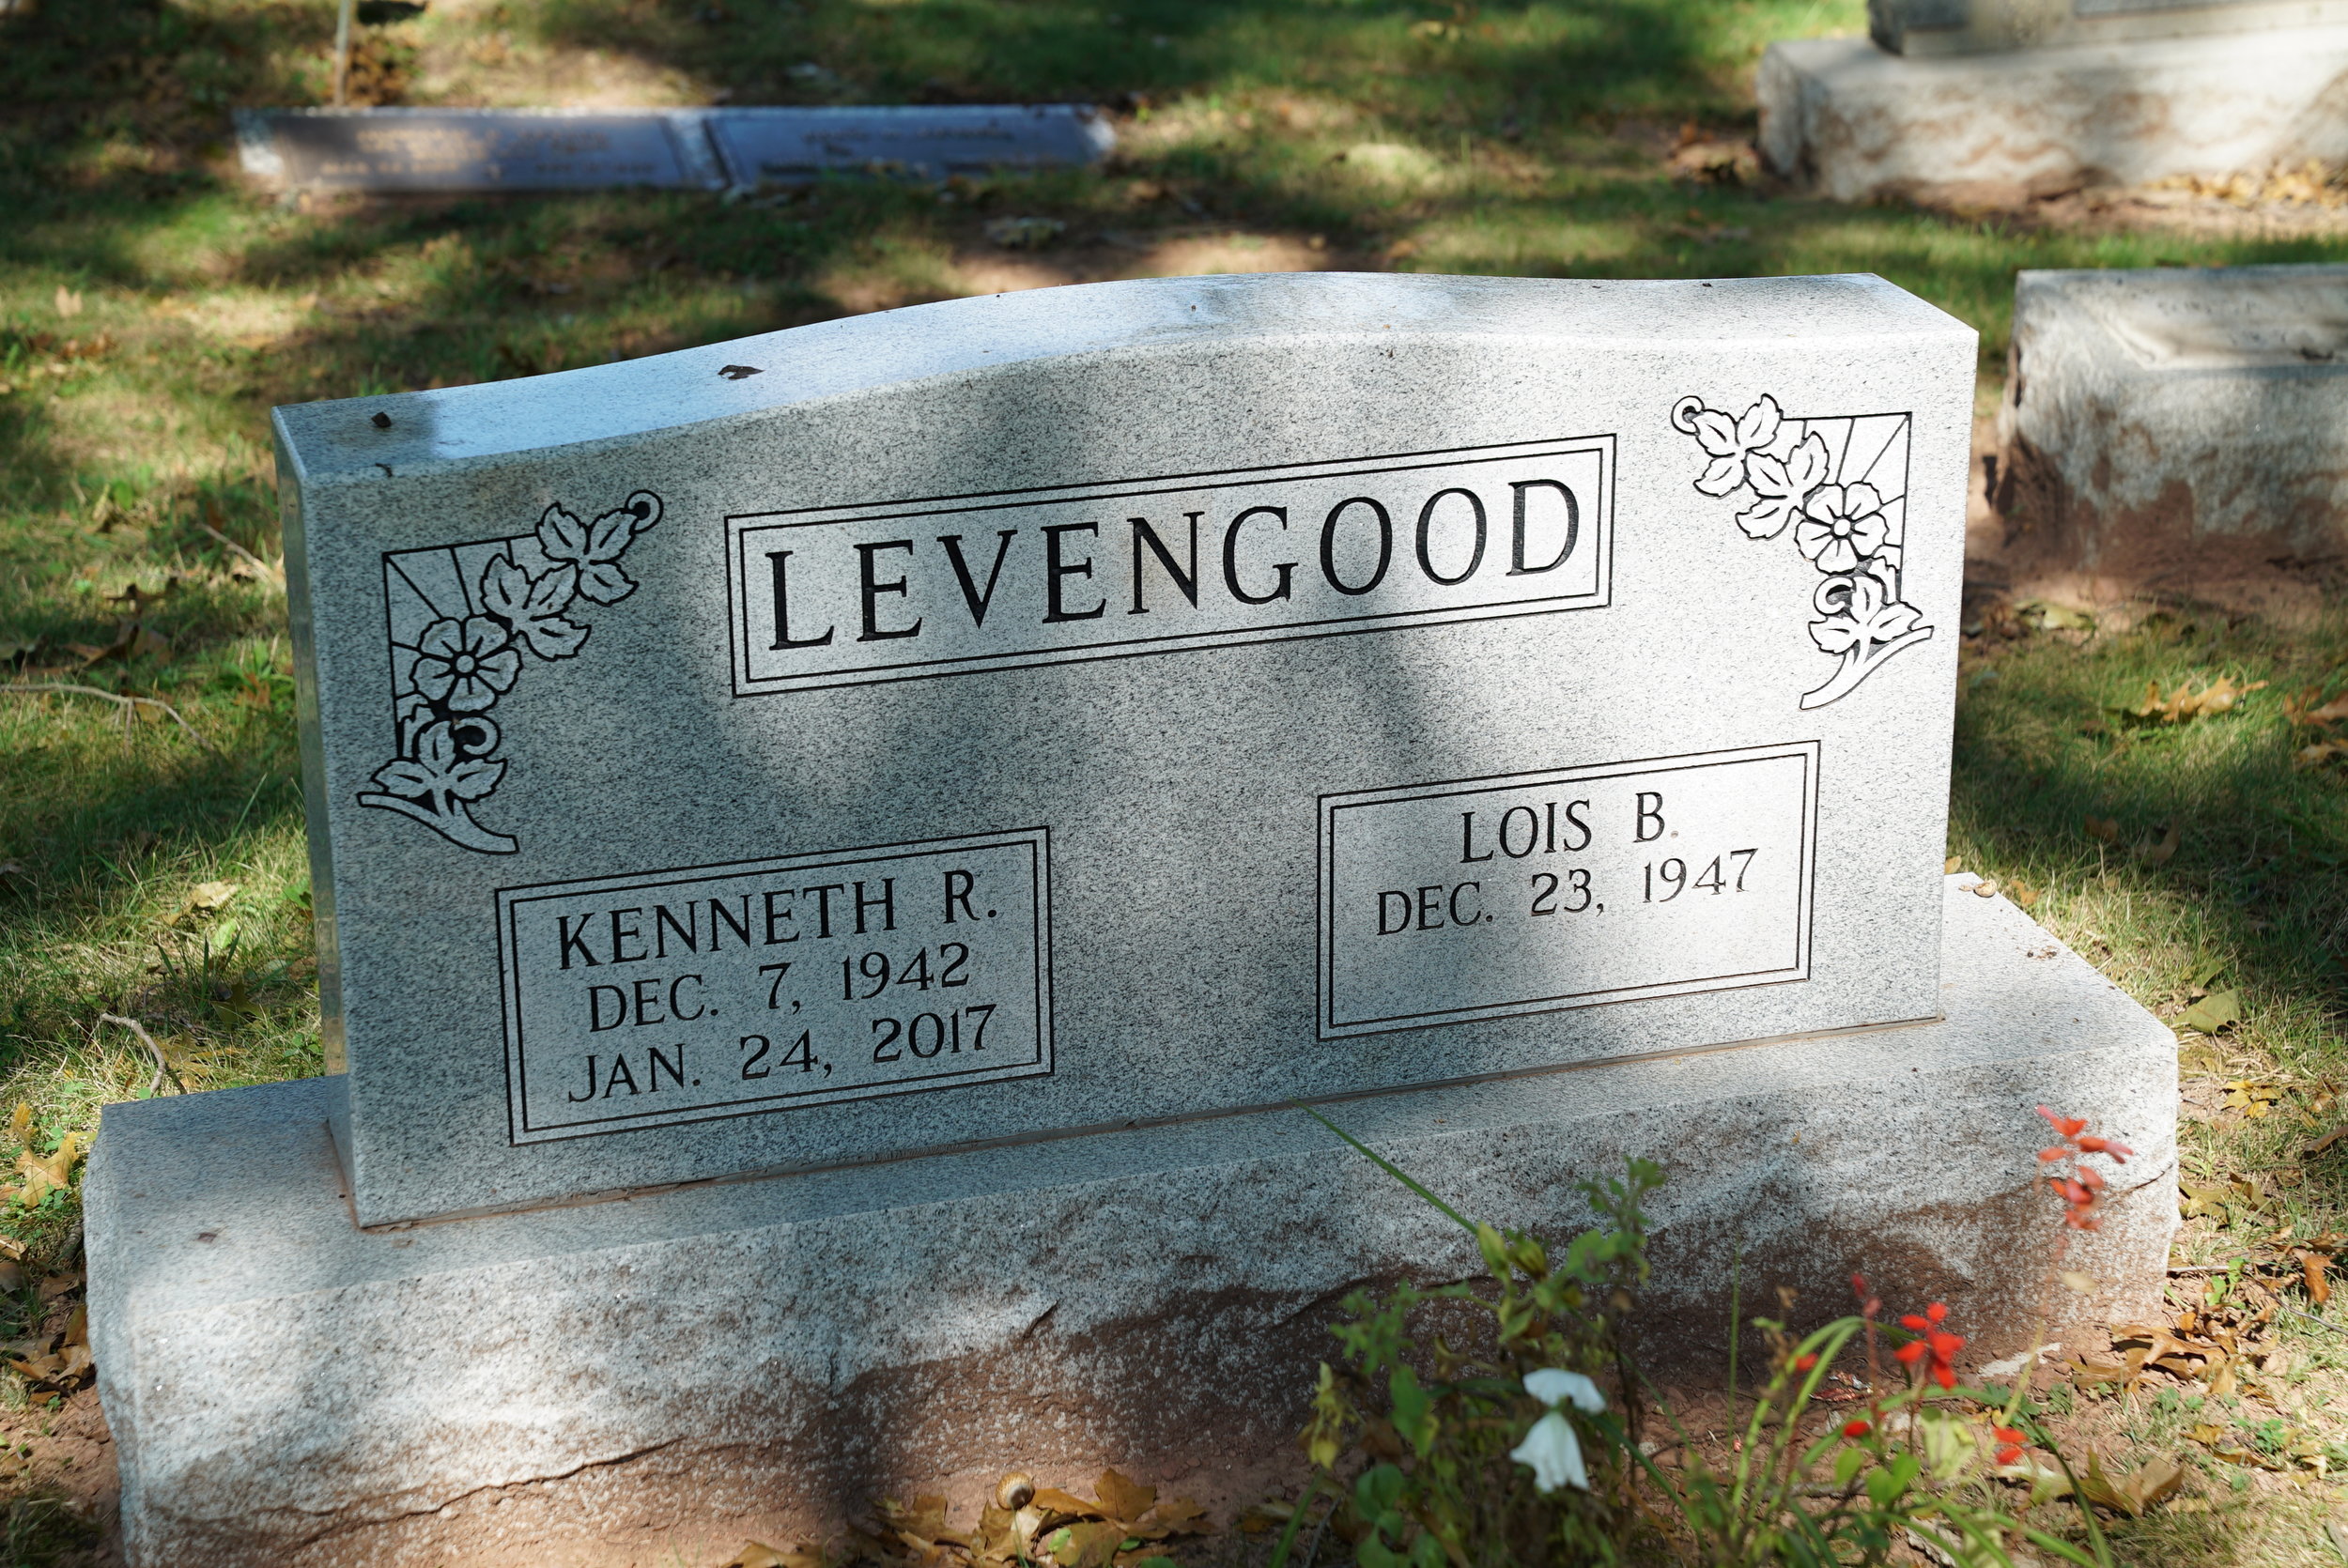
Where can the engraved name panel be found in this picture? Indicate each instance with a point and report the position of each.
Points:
(1534, 892)
(904, 590)
(723, 991)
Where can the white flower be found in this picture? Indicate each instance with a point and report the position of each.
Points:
(1549, 1386)
(1552, 1451)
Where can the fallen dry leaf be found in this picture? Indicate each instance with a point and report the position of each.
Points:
(2213, 1012)
(2166, 851)
(2133, 1493)
(2185, 703)
(2105, 828)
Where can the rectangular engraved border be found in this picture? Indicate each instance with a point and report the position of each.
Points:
(739, 524)
(1036, 840)
(1329, 1029)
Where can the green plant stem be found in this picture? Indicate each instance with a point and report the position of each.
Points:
(1388, 1166)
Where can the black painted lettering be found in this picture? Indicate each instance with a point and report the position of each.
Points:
(574, 941)
(871, 589)
(652, 1002)
(591, 1085)
(741, 926)
(1397, 905)
(619, 1075)
(1430, 909)
(886, 903)
(782, 608)
(687, 931)
(1284, 570)
(595, 1025)
(970, 594)
(676, 1069)
(1329, 546)
(1574, 823)
(1056, 572)
(675, 1009)
(1475, 912)
(1531, 832)
(1467, 840)
(823, 904)
(622, 934)
(959, 884)
(1426, 550)
(1518, 568)
(1649, 813)
(1188, 582)
(776, 916)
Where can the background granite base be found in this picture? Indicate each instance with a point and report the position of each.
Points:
(1857, 123)
(651, 1380)
(2165, 427)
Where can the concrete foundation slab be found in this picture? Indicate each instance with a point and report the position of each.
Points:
(1858, 123)
(2162, 425)
(652, 1379)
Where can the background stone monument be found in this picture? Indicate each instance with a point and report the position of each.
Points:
(835, 851)
(1996, 100)
(2167, 426)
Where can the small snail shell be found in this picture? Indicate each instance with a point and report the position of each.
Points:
(1015, 1491)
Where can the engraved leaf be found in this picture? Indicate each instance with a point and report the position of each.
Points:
(594, 548)
(1715, 432)
(1859, 614)
(1722, 475)
(1782, 484)
(1756, 428)
(533, 606)
(439, 768)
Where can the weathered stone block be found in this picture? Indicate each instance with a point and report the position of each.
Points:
(2160, 425)
(1858, 124)
(638, 1381)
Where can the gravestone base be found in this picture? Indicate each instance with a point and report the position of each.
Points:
(2167, 431)
(1857, 123)
(653, 1379)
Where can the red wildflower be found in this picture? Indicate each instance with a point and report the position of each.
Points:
(2011, 1440)
(2090, 1179)
(1803, 1363)
(2054, 1154)
(1909, 1320)
(1938, 1311)
(1856, 1429)
(1912, 1352)
(2068, 1126)
(2009, 1455)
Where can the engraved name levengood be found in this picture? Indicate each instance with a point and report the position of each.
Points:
(902, 590)
(723, 991)
(1536, 892)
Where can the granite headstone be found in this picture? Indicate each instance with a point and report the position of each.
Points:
(1014, 716)
(476, 149)
(794, 145)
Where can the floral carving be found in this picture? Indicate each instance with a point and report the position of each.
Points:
(1840, 483)
(461, 619)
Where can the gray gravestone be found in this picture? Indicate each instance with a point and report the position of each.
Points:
(476, 149)
(1117, 703)
(1927, 28)
(1044, 734)
(793, 146)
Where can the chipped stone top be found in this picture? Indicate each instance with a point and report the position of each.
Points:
(342, 440)
(2225, 319)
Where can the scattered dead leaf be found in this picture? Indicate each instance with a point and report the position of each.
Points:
(2213, 1012)
(2184, 703)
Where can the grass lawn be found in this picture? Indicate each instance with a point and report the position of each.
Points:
(153, 307)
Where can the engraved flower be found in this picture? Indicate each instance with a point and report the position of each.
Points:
(465, 665)
(1841, 525)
